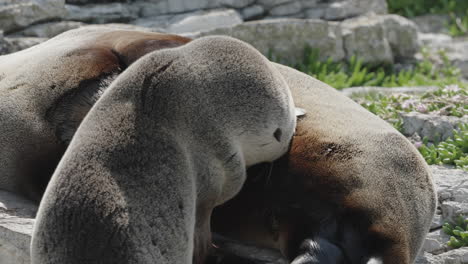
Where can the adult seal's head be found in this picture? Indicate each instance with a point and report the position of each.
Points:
(168, 141)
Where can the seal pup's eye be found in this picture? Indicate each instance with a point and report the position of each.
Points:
(278, 134)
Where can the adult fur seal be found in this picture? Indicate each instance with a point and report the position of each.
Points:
(46, 91)
(344, 167)
(168, 141)
(351, 189)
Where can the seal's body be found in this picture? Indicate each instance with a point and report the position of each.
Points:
(351, 189)
(46, 90)
(168, 141)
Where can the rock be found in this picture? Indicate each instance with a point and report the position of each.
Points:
(309, 3)
(102, 13)
(236, 3)
(271, 3)
(365, 38)
(402, 35)
(436, 242)
(206, 21)
(434, 39)
(452, 184)
(286, 9)
(15, 44)
(456, 256)
(16, 15)
(3, 44)
(377, 39)
(49, 30)
(285, 39)
(316, 13)
(252, 12)
(83, 2)
(160, 22)
(434, 127)
(452, 191)
(352, 8)
(432, 23)
(437, 221)
(455, 50)
(365, 90)
(180, 6)
(451, 210)
(16, 224)
(152, 9)
(457, 53)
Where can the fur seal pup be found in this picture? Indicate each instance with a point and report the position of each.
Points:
(46, 90)
(168, 141)
(351, 189)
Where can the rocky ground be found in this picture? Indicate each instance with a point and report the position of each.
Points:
(279, 28)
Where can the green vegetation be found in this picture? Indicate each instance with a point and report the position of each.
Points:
(451, 100)
(458, 234)
(457, 10)
(453, 151)
(354, 73)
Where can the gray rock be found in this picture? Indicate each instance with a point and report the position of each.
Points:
(16, 15)
(252, 12)
(102, 13)
(271, 3)
(456, 256)
(434, 127)
(180, 6)
(365, 38)
(285, 39)
(309, 3)
(151, 9)
(455, 50)
(378, 38)
(83, 2)
(402, 35)
(286, 9)
(437, 221)
(365, 90)
(206, 21)
(432, 23)
(236, 3)
(4, 46)
(451, 210)
(315, 13)
(49, 30)
(352, 8)
(434, 39)
(15, 44)
(436, 242)
(452, 184)
(16, 223)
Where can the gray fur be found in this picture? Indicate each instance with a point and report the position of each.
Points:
(47, 90)
(168, 140)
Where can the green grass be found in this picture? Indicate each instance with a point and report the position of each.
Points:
(453, 151)
(354, 73)
(457, 10)
(458, 233)
(450, 101)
